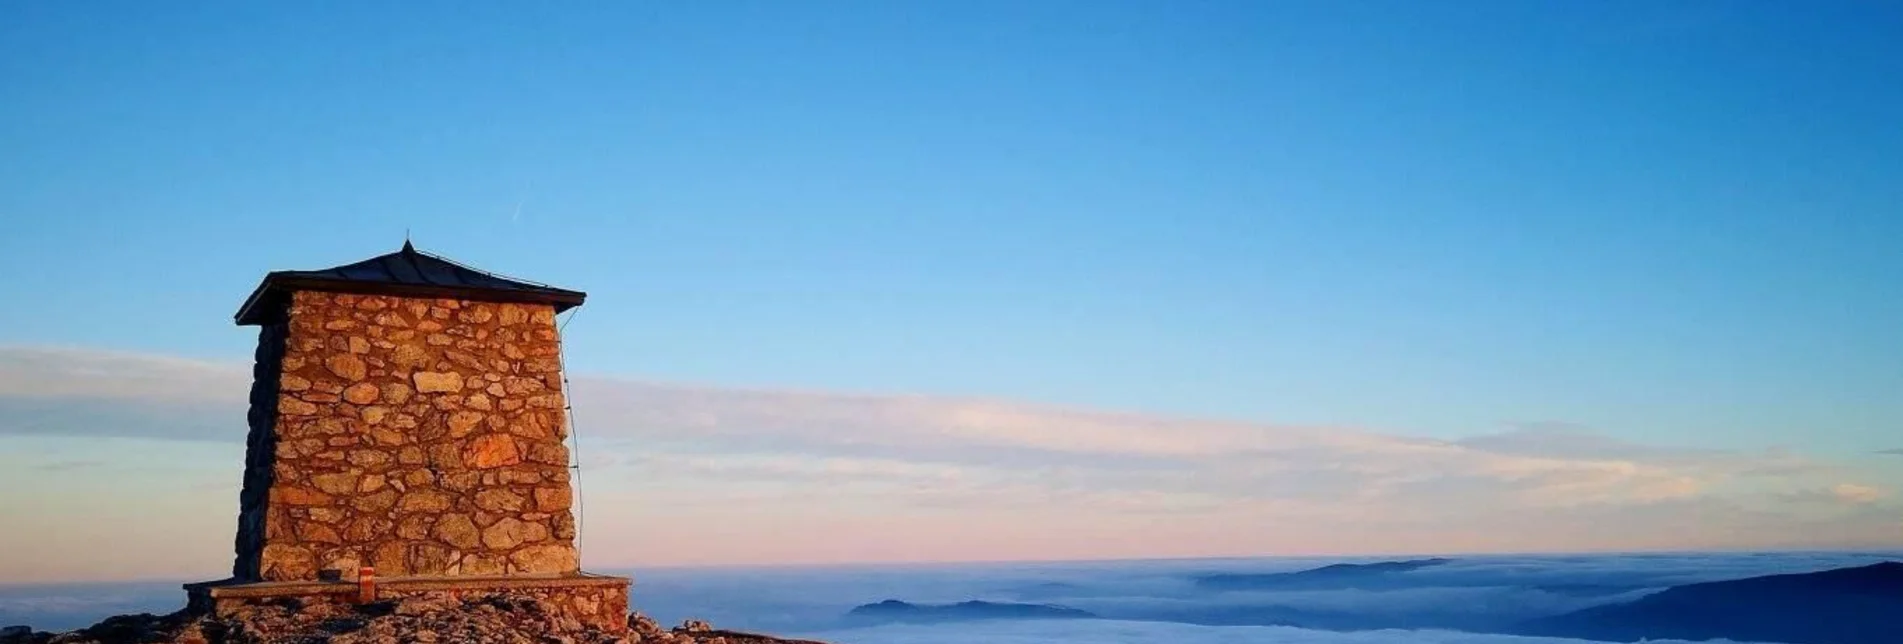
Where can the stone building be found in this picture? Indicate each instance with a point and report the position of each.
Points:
(408, 419)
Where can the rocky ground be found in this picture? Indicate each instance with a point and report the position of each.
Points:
(422, 619)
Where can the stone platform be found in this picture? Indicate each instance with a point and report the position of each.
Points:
(599, 601)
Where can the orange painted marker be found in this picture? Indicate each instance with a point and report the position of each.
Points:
(366, 585)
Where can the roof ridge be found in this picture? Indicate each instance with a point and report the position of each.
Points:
(473, 269)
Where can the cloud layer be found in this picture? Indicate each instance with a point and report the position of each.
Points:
(1113, 632)
(742, 475)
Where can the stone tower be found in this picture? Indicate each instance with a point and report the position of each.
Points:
(407, 413)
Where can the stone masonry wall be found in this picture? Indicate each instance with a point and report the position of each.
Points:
(419, 436)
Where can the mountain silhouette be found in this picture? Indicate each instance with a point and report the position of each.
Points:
(1842, 606)
(1330, 576)
(893, 610)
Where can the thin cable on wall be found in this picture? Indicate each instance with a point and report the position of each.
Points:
(574, 435)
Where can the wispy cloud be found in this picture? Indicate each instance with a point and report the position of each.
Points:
(1854, 493)
(935, 466)
(66, 466)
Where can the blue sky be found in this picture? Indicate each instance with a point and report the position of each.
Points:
(1662, 222)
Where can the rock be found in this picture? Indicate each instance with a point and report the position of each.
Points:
(552, 558)
(551, 499)
(302, 447)
(335, 483)
(288, 382)
(493, 450)
(519, 476)
(415, 526)
(476, 314)
(314, 532)
(511, 532)
(388, 437)
(362, 393)
(365, 529)
(535, 424)
(435, 381)
(542, 364)
(319, 397)
(396, 393)
(293, 407)
(516, 386)
(369, 458)
(457, 530)
(286, 562)
(430, 559)
(371, 415)
(548, 453)
(511, 314)
(462, 422)
(294, 495)
(446, 456)
(346, 366)
(391, 559)
(423, 501)
(376, 502)
(482, 565)
(500, 500)
(465, 360)
(461, 481)
(410, 355)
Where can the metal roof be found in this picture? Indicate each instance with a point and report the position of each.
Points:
(405, 273)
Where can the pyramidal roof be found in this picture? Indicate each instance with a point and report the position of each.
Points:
(405, 273)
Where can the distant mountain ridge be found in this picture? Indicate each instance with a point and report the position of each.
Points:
(1330, 576)
(893, 610)
(1859, 605)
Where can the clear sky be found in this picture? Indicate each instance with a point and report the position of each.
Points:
(1668, 224)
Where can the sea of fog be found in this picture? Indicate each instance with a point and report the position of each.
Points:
(1457, 602)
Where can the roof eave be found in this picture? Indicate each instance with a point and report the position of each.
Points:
(248, 314)
(288, 281)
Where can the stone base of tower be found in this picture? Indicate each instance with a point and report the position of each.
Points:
(596, 601)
